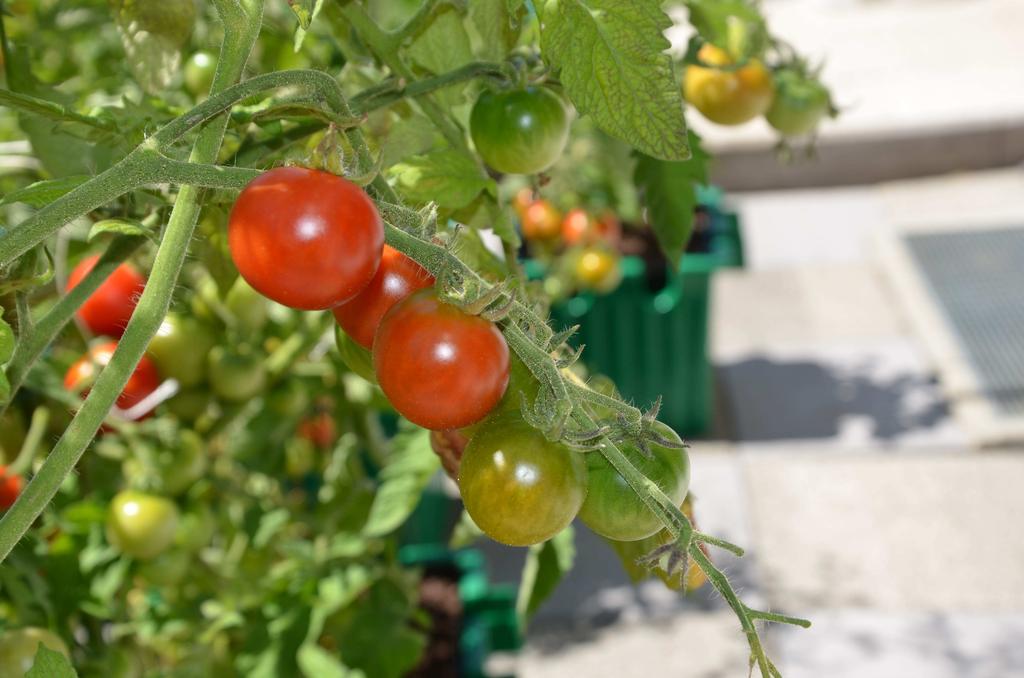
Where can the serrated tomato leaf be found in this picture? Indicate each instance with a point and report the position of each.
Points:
(612, 62)
(669, 192)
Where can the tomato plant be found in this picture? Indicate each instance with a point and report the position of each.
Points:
(304, 238)
(440, 367)
(141, 525)
(108, 309)
(612, 510)
(519, 487)
(728, 97)
(291, 484)
(143, 381)
(519, 131)
(397, 277)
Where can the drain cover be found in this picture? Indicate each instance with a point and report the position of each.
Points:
(977, 279)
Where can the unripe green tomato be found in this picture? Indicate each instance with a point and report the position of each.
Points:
(184, 465)
(205, 299)
(519, 487)
(199, 70)
(613, 509)
(180, 347)
(799, 105)
(520, 131)
(195, 529)
(18, 649)
(355, 357)
(189, 405)
(248, 306)
(237, 375)
(167, 569)
(289, 400)
(12, 434)
(141, 525)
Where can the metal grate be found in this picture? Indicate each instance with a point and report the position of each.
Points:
(978, 279)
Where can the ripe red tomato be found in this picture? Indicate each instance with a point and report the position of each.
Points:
(440, 367)
(613, 509)
(517, 485)
(541, 221)
(520, 131)
(319, 429)
(109, 308)
(10, 488)
(578, 228)
(144, 380)
(397, 277)
(305, 238)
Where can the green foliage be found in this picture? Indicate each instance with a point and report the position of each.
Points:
(50, 664)
(669, 191)
(6, 351)
(447, 177)
(42, 193)
(546, 565)
(611, 59)
(409, 468)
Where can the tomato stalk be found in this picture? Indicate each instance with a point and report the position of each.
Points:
(241, 20)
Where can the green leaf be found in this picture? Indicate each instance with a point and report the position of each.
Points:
(545, 566)
(42, 193)
(614, 67)
(466, 532)
(734, 25)
(316, 662)
(50, 664)
(445, 176)
(270, 524)
(306, 11)
(120, 227)
(408, 136)
(485, 212)
(409, 468)
(669, 191)
(6, 339)
(497, 22)
(442, 47)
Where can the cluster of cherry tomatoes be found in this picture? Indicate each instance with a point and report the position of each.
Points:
(439, 366)
(791, 101)
(579, 249)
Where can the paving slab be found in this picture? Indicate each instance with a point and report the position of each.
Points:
(705, 645)
(917, 531)
(855, 395)
(856, 643)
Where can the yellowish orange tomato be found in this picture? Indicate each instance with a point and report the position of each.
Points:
(728, 97)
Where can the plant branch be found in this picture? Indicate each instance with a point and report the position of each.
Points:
(396, 89)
